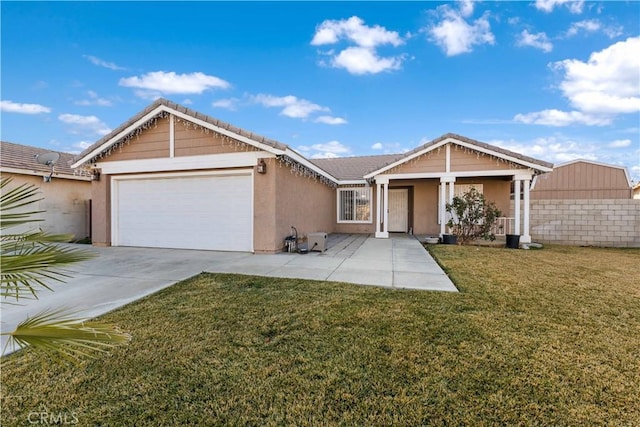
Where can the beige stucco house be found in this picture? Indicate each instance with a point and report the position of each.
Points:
(172, 177)
(65, 199)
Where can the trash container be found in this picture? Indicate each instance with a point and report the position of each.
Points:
(513, 241)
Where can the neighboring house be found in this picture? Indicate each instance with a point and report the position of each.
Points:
(636, 191)
(583, 179)
(175, 178)
(65, 199)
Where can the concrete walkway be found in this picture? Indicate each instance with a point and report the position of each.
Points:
(118, 276)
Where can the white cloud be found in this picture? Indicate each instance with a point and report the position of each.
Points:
(539, 41)
(555, 149)
(102, 63)
(607, 83)
(558, 118)
(230, 104)
(354, 30)
(592, 26)
(94, 99)
(15, 107)
(389, 147)
(84, 124)
(331, 149)
(363, 58)
(620, 143)
(292, 106)
(156, 83)
(454, 34)
(598, 90)
(574, 6)
(330, 120)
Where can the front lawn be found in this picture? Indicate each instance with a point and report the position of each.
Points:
(547, 337)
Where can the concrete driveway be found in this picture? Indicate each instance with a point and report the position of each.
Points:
(118, 275)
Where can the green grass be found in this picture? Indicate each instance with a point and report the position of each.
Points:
(548, 337)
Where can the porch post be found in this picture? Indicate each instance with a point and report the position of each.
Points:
(444, 199)
(526, 237)
(516, 201)
(378, 209)
(384, 233)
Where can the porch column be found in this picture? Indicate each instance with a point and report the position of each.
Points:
(384, 233)
(378, 209)
(444, 199)
(526, 237)
(516, 201)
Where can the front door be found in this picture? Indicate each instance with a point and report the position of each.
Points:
(398, 210)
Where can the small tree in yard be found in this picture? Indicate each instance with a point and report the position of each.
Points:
(472, 217)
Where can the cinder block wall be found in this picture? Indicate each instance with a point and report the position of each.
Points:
(604, 222)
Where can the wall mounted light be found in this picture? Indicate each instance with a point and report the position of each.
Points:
(95, 175)
(262, 166)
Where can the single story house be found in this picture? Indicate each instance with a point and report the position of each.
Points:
(65, 198)
(175, 178)
(583, 179)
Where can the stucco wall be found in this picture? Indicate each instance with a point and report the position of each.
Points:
(606, 222)
(301, 202)
(65, 202)
(101, 211)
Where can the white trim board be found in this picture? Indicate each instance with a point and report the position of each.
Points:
(211, 161)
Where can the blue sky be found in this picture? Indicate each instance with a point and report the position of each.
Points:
(553, 79)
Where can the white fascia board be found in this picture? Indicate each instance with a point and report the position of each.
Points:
(118, 136)
(38, 173)
(406, 159)
(298, 158)
(223, 131)
(503, 156)
(183, 116)
(466, 174)
(211, 161)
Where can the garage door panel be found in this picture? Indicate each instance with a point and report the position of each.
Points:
(195, 212)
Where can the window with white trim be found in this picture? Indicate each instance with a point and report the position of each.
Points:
(354, 204)
(460, 189)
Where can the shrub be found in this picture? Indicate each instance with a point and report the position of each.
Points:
(472, 217)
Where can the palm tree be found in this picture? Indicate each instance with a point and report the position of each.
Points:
(28, 261)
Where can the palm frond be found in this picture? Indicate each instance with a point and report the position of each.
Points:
(59, 334)
(14, 200)
(28, 264)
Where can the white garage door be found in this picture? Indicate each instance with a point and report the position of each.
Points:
(211, 212)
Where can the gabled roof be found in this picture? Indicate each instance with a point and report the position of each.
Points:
(470, 143)
(161, 105)
(607, 165)
(354, 168)
(18, 158)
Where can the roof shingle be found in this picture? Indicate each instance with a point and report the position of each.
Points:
(17, 156)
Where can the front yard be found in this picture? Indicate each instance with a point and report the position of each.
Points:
(548, 337)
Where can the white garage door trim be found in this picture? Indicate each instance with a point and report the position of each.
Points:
(117, 180)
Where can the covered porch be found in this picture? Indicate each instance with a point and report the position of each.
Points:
(437, 172)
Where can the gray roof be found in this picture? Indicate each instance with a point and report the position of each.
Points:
(352, 168)
(161, 101)
(342, 168)
(481, 145)
(17, 156)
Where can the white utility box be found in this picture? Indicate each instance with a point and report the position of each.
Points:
(317, 241)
